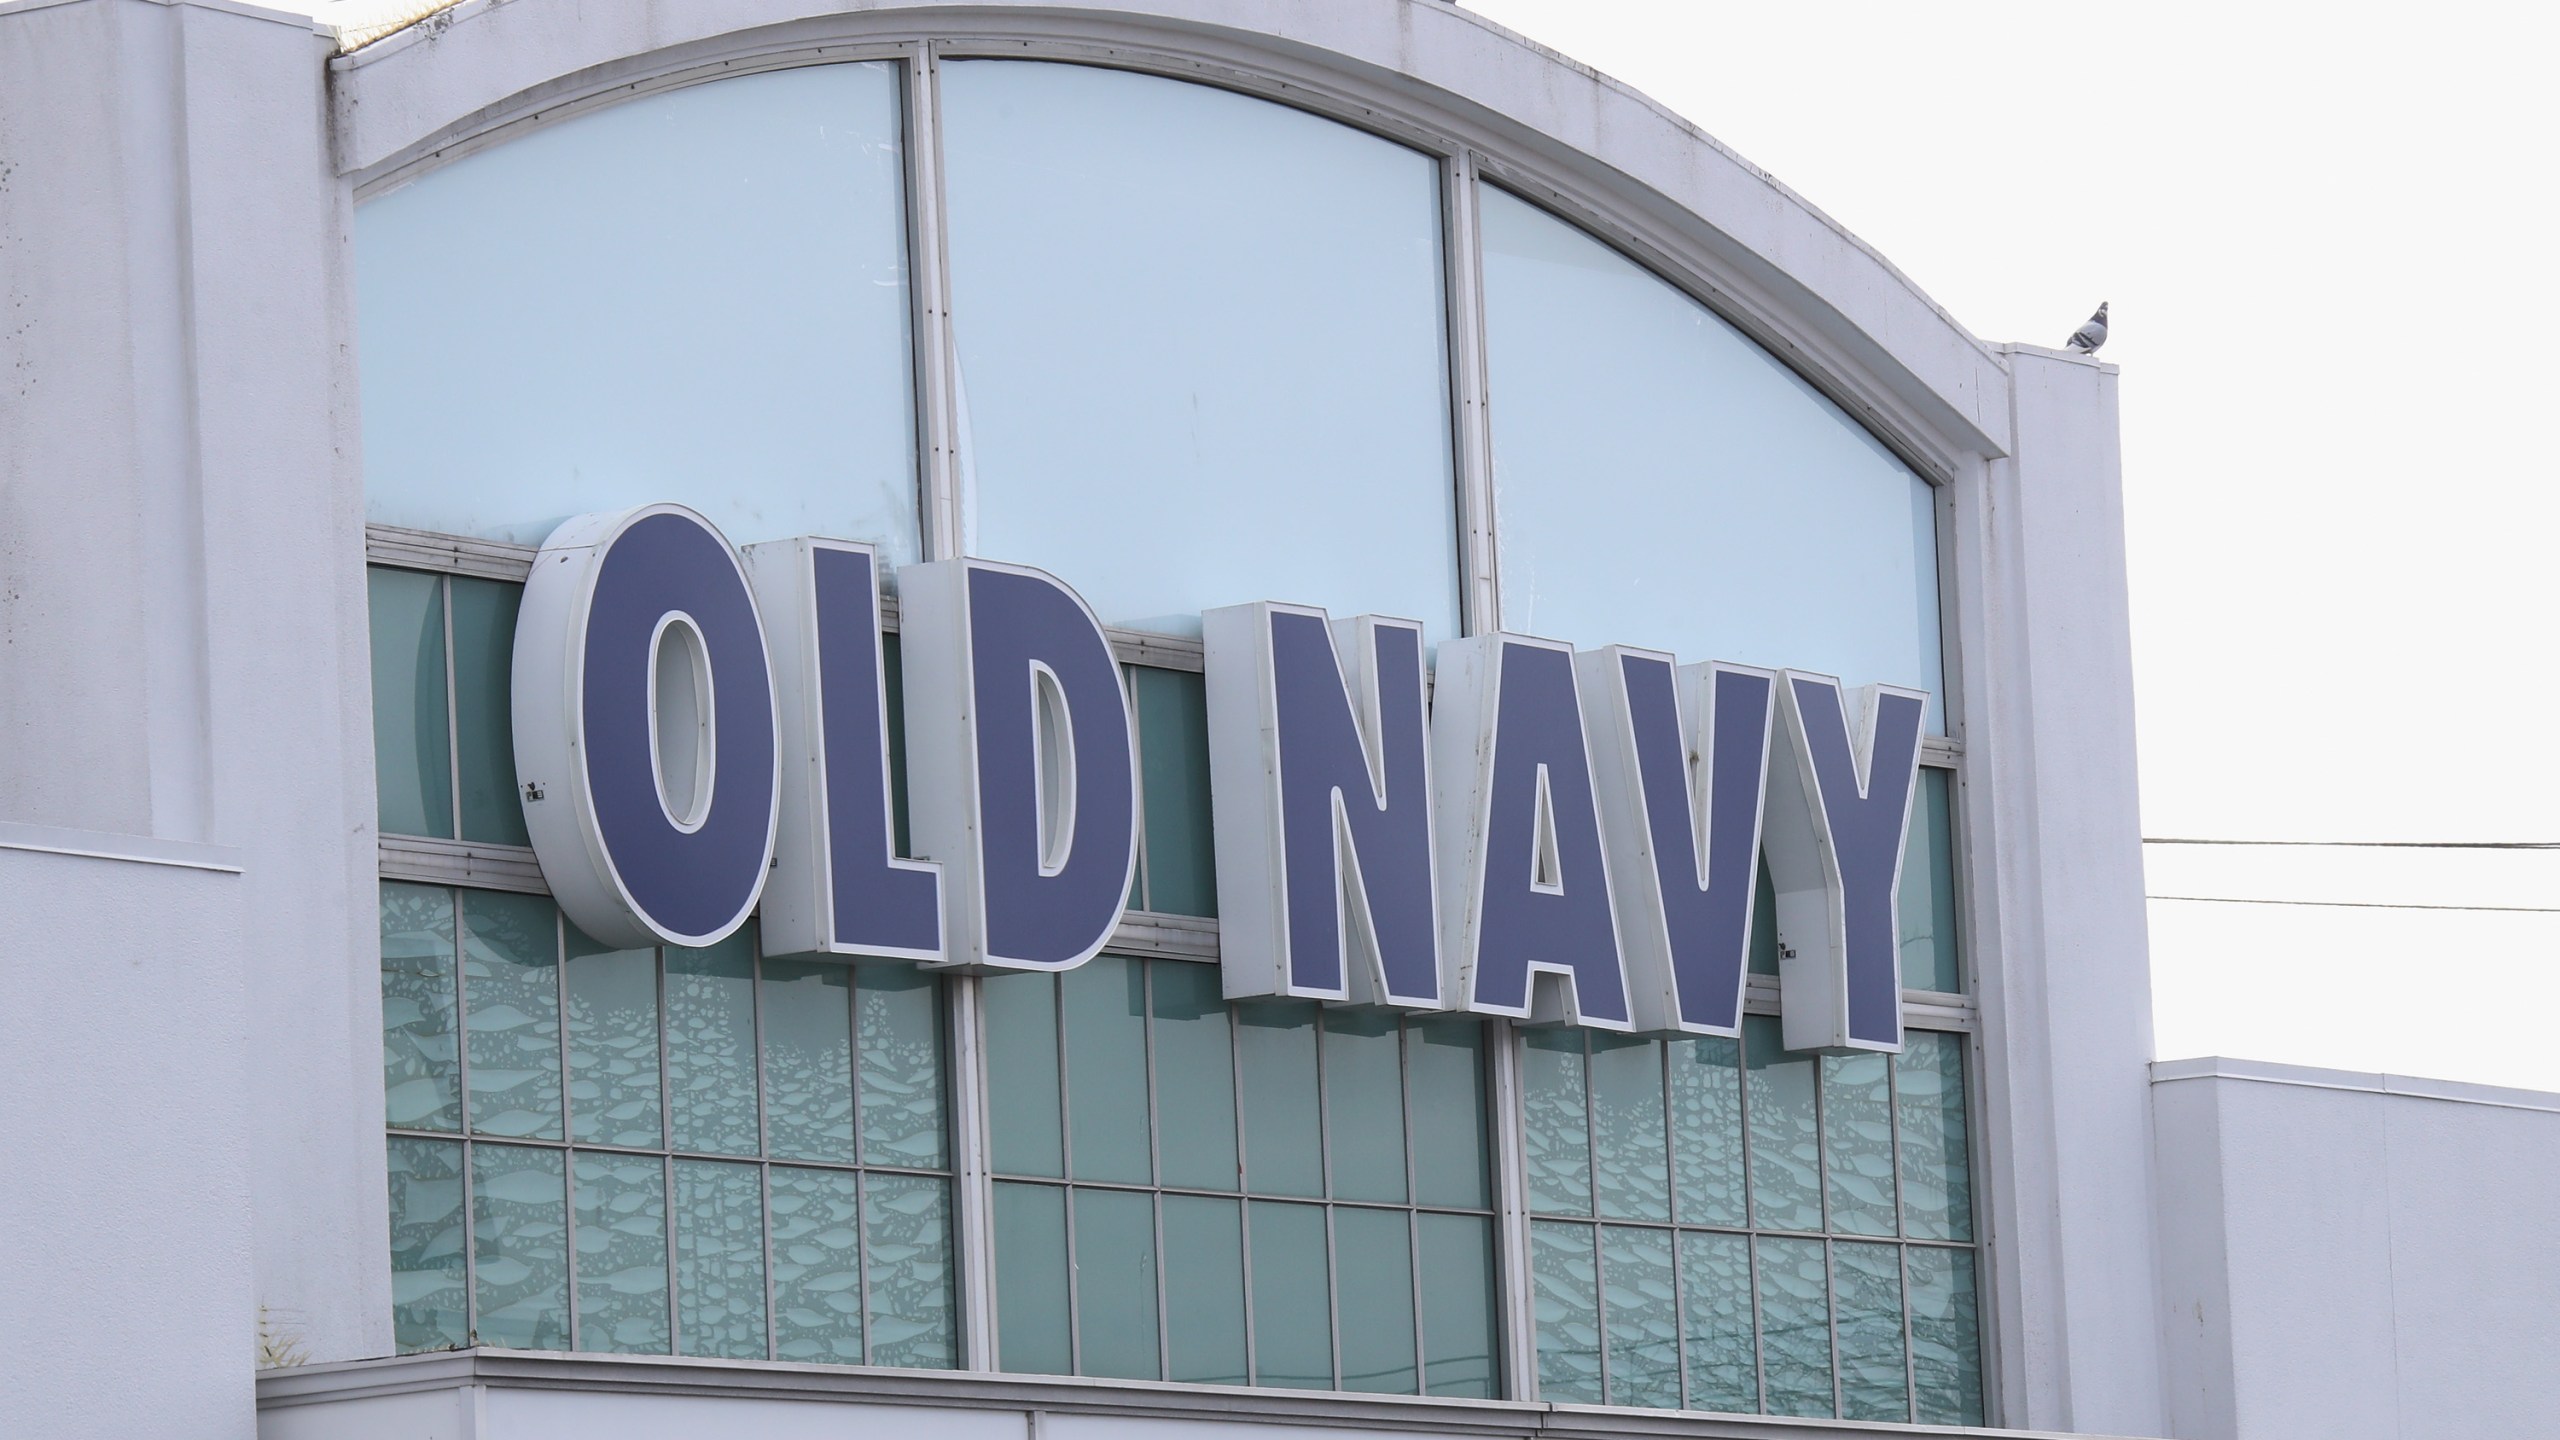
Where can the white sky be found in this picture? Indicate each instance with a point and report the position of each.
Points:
(2325, 231)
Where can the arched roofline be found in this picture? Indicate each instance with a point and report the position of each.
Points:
(1421, 71)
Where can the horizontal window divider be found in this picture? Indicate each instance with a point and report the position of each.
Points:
(472, 864)
(646, 1153)
(449, 554)
(1139, 1188)
(1746, 1232)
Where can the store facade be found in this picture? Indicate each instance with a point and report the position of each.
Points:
(677, 589)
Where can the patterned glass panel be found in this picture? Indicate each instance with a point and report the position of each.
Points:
(1631, 1167)
(808, 1058)
(1937, 1174)
(1786, 1156)
(1795, 1328)
(906, 1231)
(1715, 1292)
(1706, 1116)
(1866, 1281)
(1857, 1142)
(511, 986)
(428, 1309)
(520, 1246)
(817, 1266)
(1640, 1301)
(421, 1071)
(621, 1211)
(711, 1046)
(1565, 1290)
(899, 1012)
(1555, 1115)
(613, 1045)
(1946, 1336)
(719, 1259)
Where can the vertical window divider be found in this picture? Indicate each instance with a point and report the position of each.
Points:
(462, 1078)
(1822, 1182)
(1146, 881)
(1067, 1170)
(1671, 1198)
(973, 1192)
(941, 532)
(1244, 1192)
(1324, 1173)
(764, 1147)
(1519, 1327)
(1406, 1039)
(1155, 1161)
(1591, 1179)
(667, 1166)
(1901, 1233)
(1750, 1218)
(1462, 271)
(568, 1125)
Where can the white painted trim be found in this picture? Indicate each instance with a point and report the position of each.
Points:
(2371, 1082)
(107, 845)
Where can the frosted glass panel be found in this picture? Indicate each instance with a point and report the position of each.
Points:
(620, 1202)
(1661, 480)
(1202, 327)
(699, 295)
(817, 1266)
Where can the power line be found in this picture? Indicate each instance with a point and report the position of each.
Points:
(2363, 904)
(2368, 844)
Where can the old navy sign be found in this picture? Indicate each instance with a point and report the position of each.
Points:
(1523, 830)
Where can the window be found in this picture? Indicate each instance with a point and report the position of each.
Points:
(696, 1152)
(1263, 1193)
(1203, 329)
(1723, 1225)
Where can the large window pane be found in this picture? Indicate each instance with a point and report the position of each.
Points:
(1867, 1281)
(1641, 1303)
(613, 1044)
(1946, 1337)
(1659, 477)
(1173, 748)
(1021, 1018)
(1857, 1142)
(1205, 326)
(720, 1259)
(1204, 1289)
(1786, 1158)
(1195, 1079)
(1373, 1263)
(484, 643)
(900, 1010)
(1795, 1328)
(817, 1266)
(1031, 1279)
(1706, 1130)
(1459, 1306)
(1105, 1003)
(1557, 1121)
(1444, 1076)
(421, 1071)
(427, 1305)
(1565, 1291)
(520, 1246)
(1116, 1283)
(1631, 1163)
(1715, 1303)
(1928, 897)
(1937, 1174)
(1364, 1095)
(906, 1230)
(711, 1045)
(621, 1208)
(697, 295)
(412, 733)
(511, 986)
(808, 1058)
(1283, 1140)
(1292, 1323)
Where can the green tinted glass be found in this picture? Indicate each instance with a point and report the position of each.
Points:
(1715, 1302)
(1373, 1265)
(412, 730)
(421, 1071)
(894, 694)
(1031, 1279)
(1444, 1076)
(1292, 1329)
(1364, 1098)
(1105, 1007)
(427, 1303)
(817, 1266)
(1204, 1289)
(1928, 895)
(511, 986)
(1173, 745)
(899, 1010)
(1946, 1337)
(1565, 1288)
(808, 1059)
(520, 1246)
(1115, 1240)
(711, 1048)
(1630, 1160)
(1786, 1158)
(1706, 1130)
(1795, 1328)
(1764, 924)
(613, 1044)
(906, 1235)
(484, 642)
(1283, 1144)
(621, 1210)
(1459, 1305)
(1866, 1282)
(1857, 1142)
(719, 1260)
(1937, 1173)
(1556, 1121)
(1640, 1297)
(1020, 1014)
(1195, 1083)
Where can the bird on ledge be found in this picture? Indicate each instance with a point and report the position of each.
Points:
(2091, 335)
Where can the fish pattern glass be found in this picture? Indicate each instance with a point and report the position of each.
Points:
(629, 1235)
(1132, 1107)
(1758, 1210)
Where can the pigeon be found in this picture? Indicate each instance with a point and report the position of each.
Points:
(2090, 336)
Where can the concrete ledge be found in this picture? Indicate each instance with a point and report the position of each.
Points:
(103, 845)
(2268, 1072)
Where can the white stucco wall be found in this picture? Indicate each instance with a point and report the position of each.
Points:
(2355, 1256)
